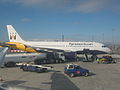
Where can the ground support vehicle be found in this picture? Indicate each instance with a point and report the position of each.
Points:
(33, 68)
(75, 70)
(106, 60)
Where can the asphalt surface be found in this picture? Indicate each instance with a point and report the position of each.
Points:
(102, 77)
(61, 82)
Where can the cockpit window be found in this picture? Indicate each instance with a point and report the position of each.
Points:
(104, 46)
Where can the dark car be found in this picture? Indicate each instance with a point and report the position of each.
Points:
(29, 68)
(75, 70)
(39, 70)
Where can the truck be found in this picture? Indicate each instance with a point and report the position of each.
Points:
(10, 60)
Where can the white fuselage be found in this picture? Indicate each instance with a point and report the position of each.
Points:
(70, 46)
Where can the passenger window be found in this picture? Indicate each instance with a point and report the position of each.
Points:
(77, 67)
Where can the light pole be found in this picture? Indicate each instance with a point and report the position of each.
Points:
(92, 38)
(103, 38)
(113, 40)
(62, 38)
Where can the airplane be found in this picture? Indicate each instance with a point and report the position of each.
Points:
(15, 41)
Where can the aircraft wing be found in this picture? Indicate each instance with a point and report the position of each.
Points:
(2, 55)
(6, 45)
(27, 48)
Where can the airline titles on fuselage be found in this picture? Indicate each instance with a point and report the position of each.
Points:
(79, 44)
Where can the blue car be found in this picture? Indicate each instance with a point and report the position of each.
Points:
(29, 68)
(75, 70)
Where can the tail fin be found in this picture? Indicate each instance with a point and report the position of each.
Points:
(13, 35)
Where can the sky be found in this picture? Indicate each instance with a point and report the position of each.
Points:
(77, 20)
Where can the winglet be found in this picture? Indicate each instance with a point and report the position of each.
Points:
(2, 56)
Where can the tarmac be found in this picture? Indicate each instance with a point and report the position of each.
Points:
(102, 77)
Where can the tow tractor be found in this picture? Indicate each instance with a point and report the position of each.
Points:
(106, 59)
(73, 70)
(35, 68)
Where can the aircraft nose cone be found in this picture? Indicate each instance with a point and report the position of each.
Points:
(108, 50)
